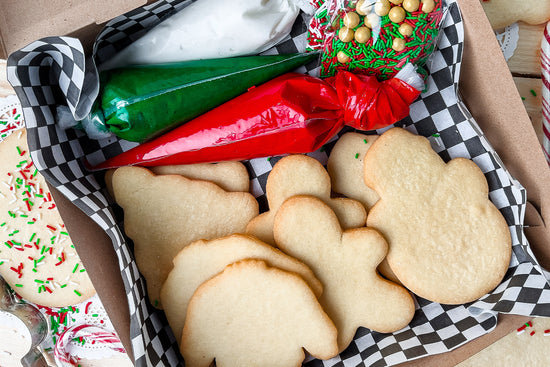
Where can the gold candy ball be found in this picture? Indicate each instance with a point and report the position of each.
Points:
(411, 5)
(382, 7)
(397, 14)
(396, 2)
(362, 34)
(428, 6)
(351, 19)
(398, 44)
(345, 34)
(342, 57)
(362, 7)
(405, 30)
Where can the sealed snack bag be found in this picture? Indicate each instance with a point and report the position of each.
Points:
(375, 37)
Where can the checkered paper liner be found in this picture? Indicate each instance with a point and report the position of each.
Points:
(54, 71)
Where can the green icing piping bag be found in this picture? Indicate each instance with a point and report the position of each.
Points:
(138, 103)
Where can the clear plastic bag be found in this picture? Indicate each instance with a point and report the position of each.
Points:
(375, 37)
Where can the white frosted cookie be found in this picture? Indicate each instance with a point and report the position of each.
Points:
(354, 294)
(163, 214)
(37, 255)
(255, 315)
(302, 175)
(202, 260)
(448, 242)
(345, 167)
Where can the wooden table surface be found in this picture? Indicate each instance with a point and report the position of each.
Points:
(526, 70)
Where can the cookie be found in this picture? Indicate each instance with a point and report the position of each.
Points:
(502, 13)
(255, 315)
(37, 257)
(345, 168)
(202, 260)
(448, 241)
(163, 214)
(230, 176)
(302, 175)
(354, 294)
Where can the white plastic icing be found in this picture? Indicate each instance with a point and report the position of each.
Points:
(213, 29)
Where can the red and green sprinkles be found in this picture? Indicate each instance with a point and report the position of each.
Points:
(386, 49)
(27, 201)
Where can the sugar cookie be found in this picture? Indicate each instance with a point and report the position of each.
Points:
(163, 214)
(448, 242)
(202, 260)
(354, 294)
(302, 175)
(345, 167)
(502, 13)
(37, 258)
(254, 315)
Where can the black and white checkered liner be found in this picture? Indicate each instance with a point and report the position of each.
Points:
(54, 71)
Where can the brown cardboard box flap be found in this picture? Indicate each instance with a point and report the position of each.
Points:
(488, 90)
(24, 21)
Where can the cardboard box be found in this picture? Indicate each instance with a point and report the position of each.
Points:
(486, 87)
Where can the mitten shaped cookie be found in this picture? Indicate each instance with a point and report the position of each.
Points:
(448, 242)
(345, 262)
(201, 260)
(302, 175)
(255, 315)
(163, 214)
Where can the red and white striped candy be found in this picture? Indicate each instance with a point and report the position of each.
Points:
(545, 63)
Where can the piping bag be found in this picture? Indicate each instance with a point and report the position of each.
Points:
(293, 113)
(137, 103)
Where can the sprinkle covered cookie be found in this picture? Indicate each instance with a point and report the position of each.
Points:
(37, 255)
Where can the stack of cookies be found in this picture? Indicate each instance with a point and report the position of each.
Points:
(245, 288)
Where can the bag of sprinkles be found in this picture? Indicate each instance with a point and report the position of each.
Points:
(375, 37)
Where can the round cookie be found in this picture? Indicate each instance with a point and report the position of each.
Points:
(37, 256)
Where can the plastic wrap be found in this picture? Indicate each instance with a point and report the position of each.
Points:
(375, 37)
(293, 113)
